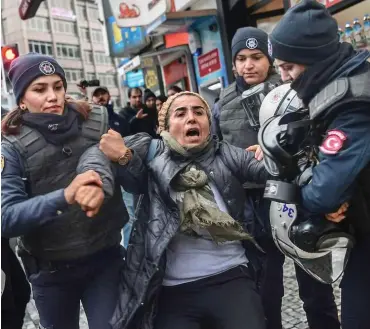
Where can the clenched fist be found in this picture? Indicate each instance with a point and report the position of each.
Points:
(112, 145)
(89, 177)
(90, 198)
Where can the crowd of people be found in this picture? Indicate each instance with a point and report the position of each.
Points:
(184, 184)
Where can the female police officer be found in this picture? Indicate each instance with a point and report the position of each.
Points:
(50, 170)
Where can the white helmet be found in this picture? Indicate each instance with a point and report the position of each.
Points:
(280, 100)
(318, 246)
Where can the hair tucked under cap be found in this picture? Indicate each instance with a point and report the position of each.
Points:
(163, 115)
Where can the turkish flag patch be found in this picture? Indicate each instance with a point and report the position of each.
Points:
(333, 142)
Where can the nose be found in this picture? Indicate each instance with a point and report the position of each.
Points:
(51, 95)
(249, 64)
(191, 116)
(285, 76)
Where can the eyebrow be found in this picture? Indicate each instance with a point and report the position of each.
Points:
(184, 108)
(44, 83)
(256, 53)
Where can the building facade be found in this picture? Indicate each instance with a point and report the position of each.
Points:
(71, 31)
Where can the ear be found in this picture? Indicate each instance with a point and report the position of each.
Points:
(22, 105)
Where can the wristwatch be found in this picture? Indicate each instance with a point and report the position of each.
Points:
(125, 158)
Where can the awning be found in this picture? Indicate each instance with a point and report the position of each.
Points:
(177, 21)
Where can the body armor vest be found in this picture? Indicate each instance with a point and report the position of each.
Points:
(48, 168)
(234, 124)
(335, 96)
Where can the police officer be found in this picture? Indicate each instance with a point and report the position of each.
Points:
(101, 96)
(333, 80)
(238, 125)
(53, 179)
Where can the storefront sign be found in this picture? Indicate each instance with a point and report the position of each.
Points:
(151, 79)
(137, 13)
(123, 41)
(134, 79)
(209, 62)
(174, 72)
(132, 64)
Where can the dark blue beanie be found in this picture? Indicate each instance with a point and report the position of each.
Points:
(306, 34)
(250, 38)
(26, 68)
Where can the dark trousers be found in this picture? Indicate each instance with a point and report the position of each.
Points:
(318, 299)
(93, 281)
(225, 301)
(356, 288)
(17, 290)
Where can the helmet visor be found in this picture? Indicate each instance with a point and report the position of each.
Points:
(327, 263)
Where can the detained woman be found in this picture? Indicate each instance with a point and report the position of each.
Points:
(189, 265)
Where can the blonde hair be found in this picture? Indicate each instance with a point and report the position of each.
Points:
(163, 115)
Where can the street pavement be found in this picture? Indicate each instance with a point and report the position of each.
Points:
(292, 311)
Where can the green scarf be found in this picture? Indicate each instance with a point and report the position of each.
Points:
(198, 208)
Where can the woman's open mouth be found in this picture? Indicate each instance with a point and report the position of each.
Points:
(193, 132)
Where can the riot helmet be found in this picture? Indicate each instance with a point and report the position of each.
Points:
(252, 100)
(318, 246)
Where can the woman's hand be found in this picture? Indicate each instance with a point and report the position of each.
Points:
(112, 145)
(90, 198)
(87, 178)
(257, 150)
(339, 215)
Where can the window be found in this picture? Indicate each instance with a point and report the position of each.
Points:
(68, 51)
(85, 34)
(93, 13)
(73, 75)
(102, 59)
(61, 4)
(65, 27)
(91, 76)
(39, 24)
(41, 47)
(81, 12)
(108, 80)
(96, 36)
(88, 56)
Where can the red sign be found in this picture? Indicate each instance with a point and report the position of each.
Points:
(330, 3)
(209, 62)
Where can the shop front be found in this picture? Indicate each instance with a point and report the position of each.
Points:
(190, 55)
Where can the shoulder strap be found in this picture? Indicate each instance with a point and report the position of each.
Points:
(328, 96)
(152, 150)
(28, 142)
(97, 123)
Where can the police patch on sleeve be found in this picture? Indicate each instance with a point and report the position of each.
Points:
(333, 142)
(2, 163)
